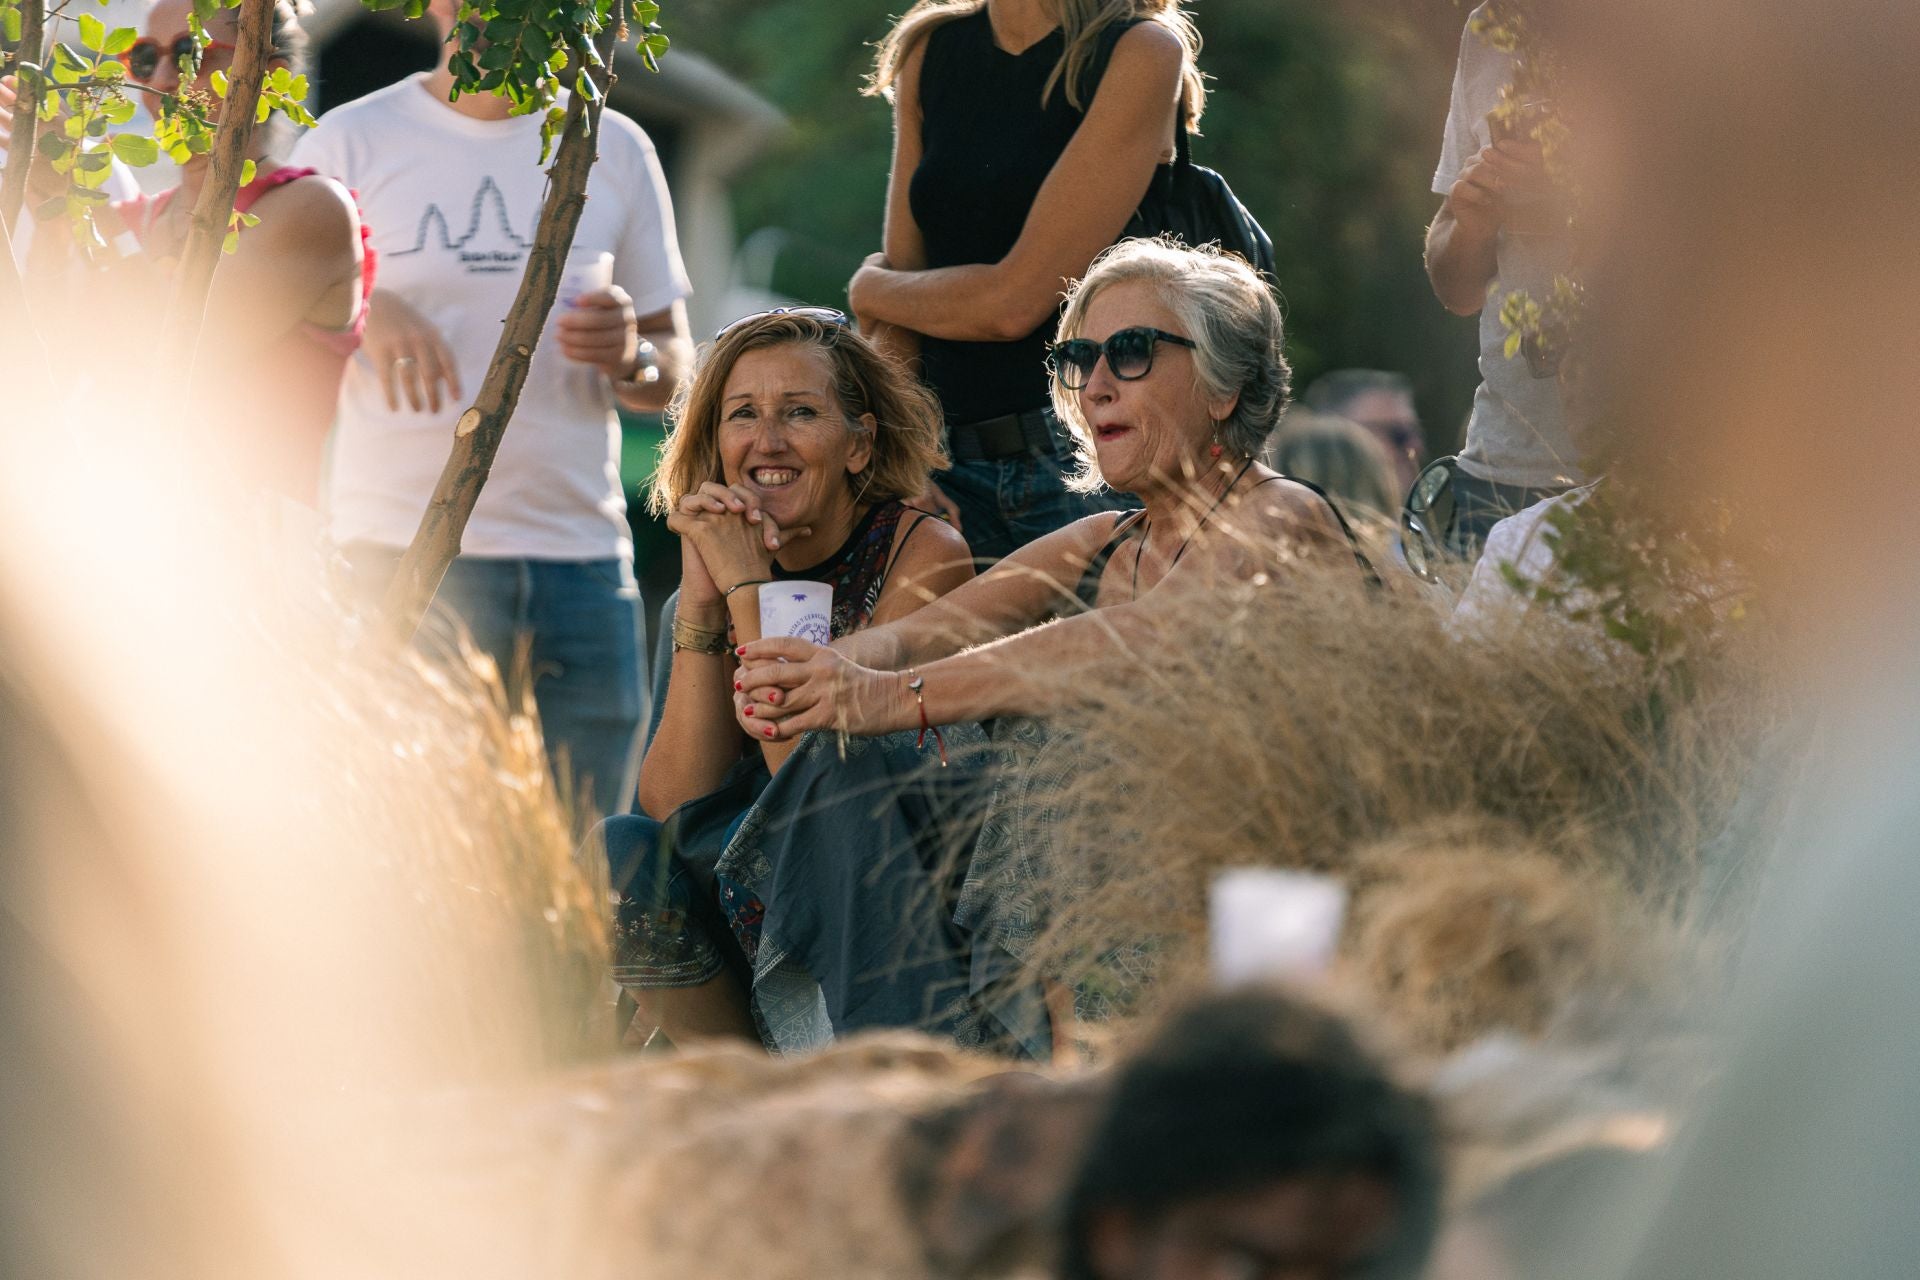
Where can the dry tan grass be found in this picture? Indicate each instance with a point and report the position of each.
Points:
(1455, 931)
(1301, 721)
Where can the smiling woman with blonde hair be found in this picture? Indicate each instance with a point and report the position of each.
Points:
(792, 450)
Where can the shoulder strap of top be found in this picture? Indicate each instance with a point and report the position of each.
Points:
(900, 542)
(1123, 529)
(1367, 570)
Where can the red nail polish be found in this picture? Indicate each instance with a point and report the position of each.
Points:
(741, 652)
(749, 708)
(737, 686)
(774, 696)
(769, 731)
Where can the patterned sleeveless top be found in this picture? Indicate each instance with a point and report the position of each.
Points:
(859, 569)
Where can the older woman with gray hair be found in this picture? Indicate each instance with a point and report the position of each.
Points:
(1169, 370)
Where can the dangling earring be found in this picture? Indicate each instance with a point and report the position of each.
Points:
(1215, 449)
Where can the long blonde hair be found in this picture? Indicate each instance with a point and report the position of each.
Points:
(1081, 22)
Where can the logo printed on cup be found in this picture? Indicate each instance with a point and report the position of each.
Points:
(797, 609)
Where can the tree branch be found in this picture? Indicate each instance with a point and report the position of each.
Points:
(207, 233)
(477, 436)
(26, 115)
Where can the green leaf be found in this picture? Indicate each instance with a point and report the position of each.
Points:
(230, 242)
(119, 40)
(68, 66)
(247, 170)
(110, 72)
(93, 32)
(51, 145)
(219, 81)
(133, 149)
(117, 110)
(10, 25)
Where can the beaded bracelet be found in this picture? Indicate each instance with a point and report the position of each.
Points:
(917, 685)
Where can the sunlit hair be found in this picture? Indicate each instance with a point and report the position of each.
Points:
(1081, 22)
(908, 424)
(1218, 301)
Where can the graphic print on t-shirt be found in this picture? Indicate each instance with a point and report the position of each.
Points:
(502, 249)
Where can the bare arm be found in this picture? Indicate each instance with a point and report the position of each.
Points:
(1042, 669)
(1021, 590)
(1083, 205)
(306, 246)
(1462, 241)
(902, 246)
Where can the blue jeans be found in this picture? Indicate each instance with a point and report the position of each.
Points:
(1479, 504)
(1009, 502)
(581, 622)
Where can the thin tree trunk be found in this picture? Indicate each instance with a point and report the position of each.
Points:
(26, 119)
(477, 436)
(207, 233)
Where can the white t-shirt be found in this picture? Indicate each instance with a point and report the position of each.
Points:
(452, 203)
(1518, 432)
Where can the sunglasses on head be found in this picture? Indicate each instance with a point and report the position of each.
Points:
(1129, 355)
(143, 57)
(825, 315)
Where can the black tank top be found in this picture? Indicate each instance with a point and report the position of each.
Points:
(987, 146)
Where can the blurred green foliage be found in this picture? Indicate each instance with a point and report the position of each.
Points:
(1325, 116)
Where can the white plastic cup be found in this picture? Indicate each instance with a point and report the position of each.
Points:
(584, 273)
(797, 608)
(1268, 924)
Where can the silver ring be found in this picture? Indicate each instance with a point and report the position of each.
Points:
(400, 360)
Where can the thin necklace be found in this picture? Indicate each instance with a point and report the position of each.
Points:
(1147, 531)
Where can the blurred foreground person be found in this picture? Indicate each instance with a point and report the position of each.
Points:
(1749, 166)
(1253, 1138)
(288, 307)
(453, 191)
(1499, 231)
(1382, 403)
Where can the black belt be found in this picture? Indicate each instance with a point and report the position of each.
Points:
(1008, 436)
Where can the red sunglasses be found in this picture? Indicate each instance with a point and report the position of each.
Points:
(143, 57)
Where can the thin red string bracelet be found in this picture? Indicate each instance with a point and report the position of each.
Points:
(918, 684)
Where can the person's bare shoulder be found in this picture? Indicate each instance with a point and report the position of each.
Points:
(316, 215)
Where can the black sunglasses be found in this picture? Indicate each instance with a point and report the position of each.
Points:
(143, 57)
(1427, 517)
(1129, 355)
(825, 315)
